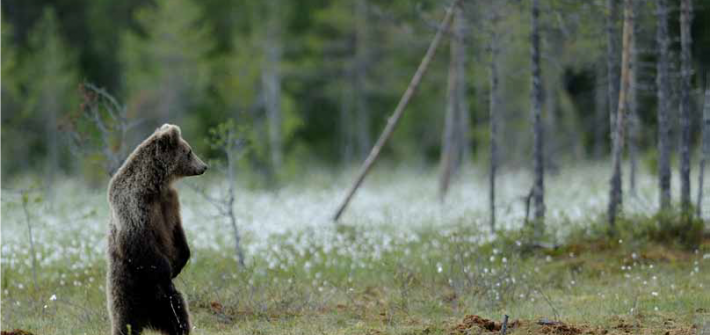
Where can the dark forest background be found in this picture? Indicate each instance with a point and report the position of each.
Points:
(314, 81)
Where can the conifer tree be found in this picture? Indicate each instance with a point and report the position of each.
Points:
(10, 98)
(48, 76)
(165, 64)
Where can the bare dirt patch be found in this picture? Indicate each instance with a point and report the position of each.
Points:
(560, 328)
(474, 321)
(16, 332)
(474, 324)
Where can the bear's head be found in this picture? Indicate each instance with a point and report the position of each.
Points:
(175, 155)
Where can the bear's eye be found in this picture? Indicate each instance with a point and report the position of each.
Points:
(189, 152)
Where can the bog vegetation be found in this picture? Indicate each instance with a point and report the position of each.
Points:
(400, 167)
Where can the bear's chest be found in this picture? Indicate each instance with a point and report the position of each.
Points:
(166, 218)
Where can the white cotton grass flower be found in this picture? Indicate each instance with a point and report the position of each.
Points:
(388, 211)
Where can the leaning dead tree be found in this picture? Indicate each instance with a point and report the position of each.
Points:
(686, 11)
(226, 139)
(399, 110)
(664, 98)
(100, 126)
(538, 189)
(615, 196)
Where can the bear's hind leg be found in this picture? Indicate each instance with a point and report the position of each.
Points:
(122, 326)
(125, 318)
(171, 315)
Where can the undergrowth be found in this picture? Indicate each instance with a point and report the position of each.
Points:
(652, 268)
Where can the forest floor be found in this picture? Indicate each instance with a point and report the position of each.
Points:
(586, 287)
(399, 263)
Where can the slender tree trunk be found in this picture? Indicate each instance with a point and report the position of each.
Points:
(615, 197)
(50, 100)
(612, 63)
(346, 122)
(271, 79)
(460, 27)
(455, 123)
(52, 164)
(706, 147)
(553, 140)
(362, 55)
(686, 72)
(493, 124)
(600, 111)
(663, 92)
(634, 120)
(701, 182)
(448, 152)
(537, 94)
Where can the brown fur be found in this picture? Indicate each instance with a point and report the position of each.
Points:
(147, 247)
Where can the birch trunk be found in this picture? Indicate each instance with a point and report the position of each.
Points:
(663, 94)
(600, 111)
(50, 102)
(271, 79)
(454, 143)
(493, 124)
(51, 99)
(686, 73)
(611, 63)
(537, 94)
(634, 120)
(346, 128)
(615, 196)
(461, 28)
(362, 52)
(706, 147)
(448, 151)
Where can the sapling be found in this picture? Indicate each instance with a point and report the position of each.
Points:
(229, 140)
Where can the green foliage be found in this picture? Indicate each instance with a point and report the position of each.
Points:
(669, 228)
(227, 136)
(9, 65)
(38, 89)
(10, 91)
(165, 62)
(199, 63)
(49, 72)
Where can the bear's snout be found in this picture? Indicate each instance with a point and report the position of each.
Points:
(202, 169)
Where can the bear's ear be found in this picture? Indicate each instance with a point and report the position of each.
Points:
(169, 136)
(165, 127)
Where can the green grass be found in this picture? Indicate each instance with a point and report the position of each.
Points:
(422, 285)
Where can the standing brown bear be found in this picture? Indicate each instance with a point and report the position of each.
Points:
(146, 243)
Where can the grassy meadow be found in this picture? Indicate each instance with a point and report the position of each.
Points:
(399, 262)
